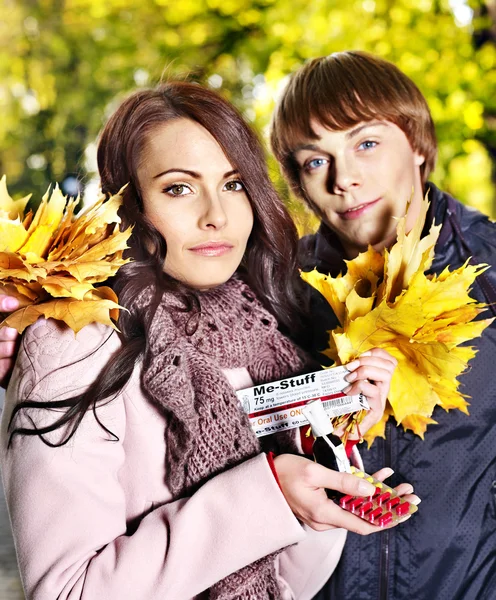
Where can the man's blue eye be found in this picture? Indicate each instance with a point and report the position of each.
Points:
(367, 145)
(316, 163)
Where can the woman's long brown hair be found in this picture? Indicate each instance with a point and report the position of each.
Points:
(269, 263)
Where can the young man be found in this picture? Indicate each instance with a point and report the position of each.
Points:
(354, 137)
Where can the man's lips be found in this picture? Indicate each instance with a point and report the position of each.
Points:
(212, 248)
(357, 211)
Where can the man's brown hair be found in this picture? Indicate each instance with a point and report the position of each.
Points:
(344, 89)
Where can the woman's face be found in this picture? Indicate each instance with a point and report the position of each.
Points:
(195, 199)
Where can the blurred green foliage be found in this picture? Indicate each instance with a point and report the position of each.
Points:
(64, 64)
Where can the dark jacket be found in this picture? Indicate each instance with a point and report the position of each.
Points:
(447, 551)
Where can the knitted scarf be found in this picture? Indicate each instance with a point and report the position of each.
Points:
(207, 431)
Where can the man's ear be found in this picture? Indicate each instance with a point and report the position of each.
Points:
(419, 159)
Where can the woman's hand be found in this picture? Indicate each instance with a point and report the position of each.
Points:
(8, 339)
(370, 375)
(303, 483)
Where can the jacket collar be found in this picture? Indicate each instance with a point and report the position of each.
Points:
(439, 209)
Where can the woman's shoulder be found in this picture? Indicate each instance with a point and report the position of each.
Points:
(53, 342)
(52, 352)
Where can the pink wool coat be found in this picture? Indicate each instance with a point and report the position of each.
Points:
(94, 519)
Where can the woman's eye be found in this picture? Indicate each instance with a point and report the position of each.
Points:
(178, 189)
(234, 186)
(315, 163)
(367, 145)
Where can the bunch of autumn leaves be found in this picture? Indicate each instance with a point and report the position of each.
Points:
(51, 259)
(386, 300)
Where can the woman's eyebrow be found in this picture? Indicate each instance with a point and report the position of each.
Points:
(186, 171)
(192, 173)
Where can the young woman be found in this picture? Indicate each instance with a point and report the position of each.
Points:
(129, 466)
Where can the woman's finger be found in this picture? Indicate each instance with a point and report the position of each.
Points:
(380, 353)
(372, 391)
(371, 373)
(7, 334)
(333, 516)
(8, 303)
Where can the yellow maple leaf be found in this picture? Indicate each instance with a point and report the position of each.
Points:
(9, 208)
(63, 286)
(379, 429)
(418, 424)
(52, 264)
(409, 255)
(12, 234)
(386, 300)
(360, 280)
(24, 294)
(45, 222)
(13, 266)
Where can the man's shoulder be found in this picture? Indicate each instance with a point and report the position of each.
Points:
(321, 250)
(463, 226)
(306, 251)
(447, 207)
(470, 216)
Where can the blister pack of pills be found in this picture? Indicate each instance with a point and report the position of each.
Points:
(383, 509)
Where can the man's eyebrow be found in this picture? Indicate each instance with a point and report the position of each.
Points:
(351, 134)
(354, 132)
(305, 147)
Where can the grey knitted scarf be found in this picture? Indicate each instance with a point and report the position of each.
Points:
(208, 431)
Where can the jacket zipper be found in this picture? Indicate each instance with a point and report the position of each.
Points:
(384, 552)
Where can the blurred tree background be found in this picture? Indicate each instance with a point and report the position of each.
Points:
(64, 64)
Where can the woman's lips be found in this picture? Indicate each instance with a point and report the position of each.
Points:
(357, 211)
(212, 248)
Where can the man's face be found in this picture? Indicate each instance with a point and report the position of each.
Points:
(360, 180)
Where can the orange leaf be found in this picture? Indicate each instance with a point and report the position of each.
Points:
(83, 250)
(95, 307)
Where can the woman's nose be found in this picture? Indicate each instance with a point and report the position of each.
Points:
(214, 215)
